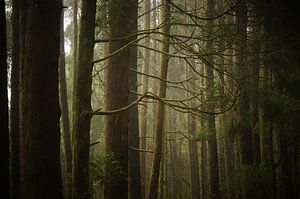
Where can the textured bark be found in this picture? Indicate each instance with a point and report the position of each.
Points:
(203, 171)
(63, 98)
(193, 149)
(143, 133)
(243, 105)
(162, 175)
(255, 46)
(134, 156)
(23, 14)
(117, 92)
(82, 102)
(212, 140)
(193, 152)
(4, 135)
(15, 102)
(74, 44)
(160, 117)
(244, 127)
(40, 102)
(266, 131)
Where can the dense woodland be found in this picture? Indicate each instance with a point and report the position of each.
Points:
(169, 99)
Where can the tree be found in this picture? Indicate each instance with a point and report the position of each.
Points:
(4, 136)
(117, 93)
(64, 107)
(212, 140)
(40, 102)
(82, 101)
(160, 118)
(134, 139)
(15, 102)
(146, 67)
(193, 152)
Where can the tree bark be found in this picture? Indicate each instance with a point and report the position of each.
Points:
(160, 117)
(212, 140)
(193, 148)
(143, 133)
(15, 103)
(82, 101)
(4, 135)
(40, 102)
(134, 156)
(64, 108)
(74, 49)
(117, 92)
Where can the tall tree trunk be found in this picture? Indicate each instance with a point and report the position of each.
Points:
(160, 117)
(134, 156)
(143, 133)
(193, 149)
(40, 102)
(242, 70)
(4, 135)
(23, 16)
(82, 101)
(243, 106)
(212, 140)
(117, 92)
(193, 153)
(64, 108)
(162, 175)
(15, 102)
(74, 51)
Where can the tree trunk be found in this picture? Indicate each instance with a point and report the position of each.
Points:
(160, 117)
(193, 148)
(143, 133)
(212, 141)
(40, 102)
(4, 135)
(64, 108)
(243, 105)
(134, 156)
(193, 152)
(23, 15)
(117, 92)
(74, 52)
(82, 102)
(14, 103)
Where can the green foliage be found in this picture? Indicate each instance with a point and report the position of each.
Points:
(103, 168)
(258, 181)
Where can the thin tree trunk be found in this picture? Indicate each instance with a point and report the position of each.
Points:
(159, 135)
(4, 135)
(40, 102)
(243, 106)
(15, 103)
(23, 15)
(212, 141)
(162, 175)
(193, 150)
(117, 93)
(242, 69)
(134, 156)
(64, 108)
(143, 133)
(82, 102)
(74, 50)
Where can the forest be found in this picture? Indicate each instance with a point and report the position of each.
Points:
(149, 99)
